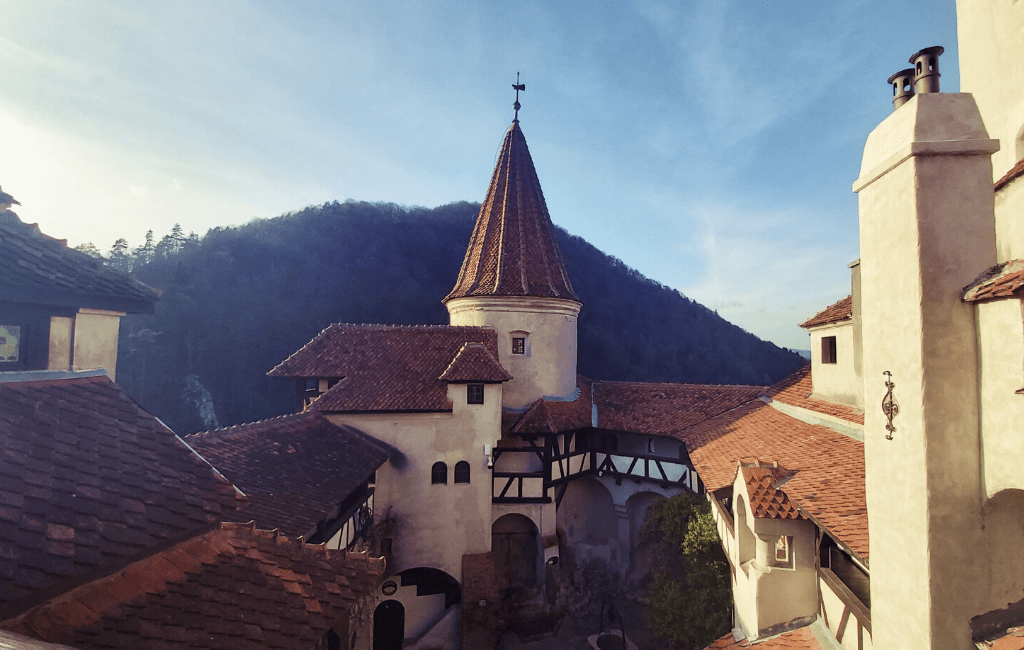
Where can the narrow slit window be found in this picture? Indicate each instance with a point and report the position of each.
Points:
(439, 474)
(828, 349)
(475, 393)
(462, 472)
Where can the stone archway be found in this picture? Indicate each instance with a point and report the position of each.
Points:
(515, 546)
(636, 508)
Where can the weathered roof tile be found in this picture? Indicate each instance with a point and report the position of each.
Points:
(834, 313)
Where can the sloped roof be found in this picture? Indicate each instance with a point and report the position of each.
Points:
(229, 588)
(762, 481)
(1000, 281)
(43, 270)
(828, 486)
(634, 407)
(834, 313)
(512, 251)
(1014, 172)
(798, 639)
(384, 367)
(293, 469)
(795, 390)
(474, 362)
(88, 481)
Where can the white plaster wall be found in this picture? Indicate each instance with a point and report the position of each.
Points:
(990, 35)
(839, 381)
(784, 594)
(926, 230)
(1010, 221)
(1001, 341)
(95, 340)
(845, 626)
(437, 524)
(60, 343)
(550, 367)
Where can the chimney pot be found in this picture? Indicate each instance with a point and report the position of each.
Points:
(902, 87)
(926, 69)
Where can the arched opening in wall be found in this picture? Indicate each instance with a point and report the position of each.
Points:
(389, 626)
(439, 474)
(641, 558)
(462, 472)
(515, 547)
(744, 534)
(587, 513)
(427, 594)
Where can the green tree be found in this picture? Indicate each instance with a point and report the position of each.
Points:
(89, 249)
(120, 258)
(691, 602)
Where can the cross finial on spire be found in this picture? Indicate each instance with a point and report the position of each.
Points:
(518, 86)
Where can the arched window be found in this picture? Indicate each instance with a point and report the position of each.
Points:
(462, 472)
(439, 473)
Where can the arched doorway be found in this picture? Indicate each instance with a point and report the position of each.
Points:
(639, 558)
(587, 513)
(388, 626)
(515, 546)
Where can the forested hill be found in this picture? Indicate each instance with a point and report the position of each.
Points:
(239, 300)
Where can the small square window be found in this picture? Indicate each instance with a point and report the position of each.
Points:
(475, 393)
(828, 349)
(518, 345)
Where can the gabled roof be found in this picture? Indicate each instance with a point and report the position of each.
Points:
(89, 482)
(834, 313)
(512, 251)
(384, 367)
(1000, 281)
(229, 588)
(828, 486)
(43, 270)
(762, 481)
(295, 469)
(474, 362)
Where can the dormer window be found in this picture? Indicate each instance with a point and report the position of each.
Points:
(474, 393)
(828, 349)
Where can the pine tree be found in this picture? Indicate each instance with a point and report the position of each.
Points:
(89, 249)
(119, 257)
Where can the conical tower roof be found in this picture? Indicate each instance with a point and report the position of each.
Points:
(512, 251)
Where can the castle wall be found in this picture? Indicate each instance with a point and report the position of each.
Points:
(547, 368)
(839, 381)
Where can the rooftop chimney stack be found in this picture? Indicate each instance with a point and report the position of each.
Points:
(926, 69)
(902, 87)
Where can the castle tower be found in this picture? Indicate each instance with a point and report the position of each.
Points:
(513, 279)
(926, 228)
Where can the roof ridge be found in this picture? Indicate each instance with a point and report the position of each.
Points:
(674, 383)
(223, 430)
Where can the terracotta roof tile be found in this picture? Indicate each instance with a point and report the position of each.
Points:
(91, 481)
(384, 367)
(1000, 281)
(43, 270)
(293, 469)
(252, 587)
(1012, 640)
(762, 481)
(474, 362)
(835, 313)
(1014, 172)
(512, 251)
(795, 390)
(798, 639)
(828, 485)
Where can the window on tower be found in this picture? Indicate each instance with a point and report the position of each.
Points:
(518, 345)
(828, 349)
(475, 393)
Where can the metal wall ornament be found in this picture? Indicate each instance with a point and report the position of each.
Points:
(890, 406)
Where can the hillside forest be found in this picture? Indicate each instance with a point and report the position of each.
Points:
(239, 300)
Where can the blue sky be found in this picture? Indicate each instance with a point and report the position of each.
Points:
(710, 144)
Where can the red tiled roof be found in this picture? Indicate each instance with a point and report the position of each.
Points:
(829, 482)
(229, 588)
(795, 390)
(1012, 640)
(835, 313)
(384, 367)
(1015, 172)
(474, 362)
(90, 480)
(295, 469)
(43, 270)
(512, 251)
(1000, 281)
(634, 407)
(762, 481)
(798, 639)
